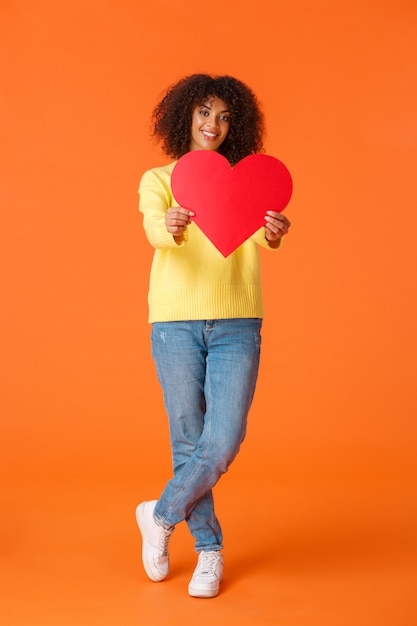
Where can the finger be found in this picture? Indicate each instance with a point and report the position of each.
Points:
(179, 210)
(276, 226)
(177, 218)
(279, 216)
(273, 231)
(176, 230)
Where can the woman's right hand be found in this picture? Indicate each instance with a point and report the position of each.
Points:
(177, 219)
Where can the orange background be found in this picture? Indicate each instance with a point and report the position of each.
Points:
(319, 509)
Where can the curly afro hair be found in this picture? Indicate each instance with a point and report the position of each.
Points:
(172, 116)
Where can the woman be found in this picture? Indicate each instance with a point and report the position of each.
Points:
(206, 313)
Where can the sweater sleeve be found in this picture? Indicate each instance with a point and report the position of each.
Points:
(155, 198)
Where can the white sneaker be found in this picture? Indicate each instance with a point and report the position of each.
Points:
(207, 575)
(155, 540)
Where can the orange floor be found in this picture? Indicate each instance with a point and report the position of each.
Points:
(70, 554)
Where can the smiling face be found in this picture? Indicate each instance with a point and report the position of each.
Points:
(210, 124)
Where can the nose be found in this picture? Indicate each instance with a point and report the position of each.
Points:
(213, 121)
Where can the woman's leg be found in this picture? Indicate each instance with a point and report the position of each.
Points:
(208, 372)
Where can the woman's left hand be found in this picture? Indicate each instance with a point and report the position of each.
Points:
(277, 225)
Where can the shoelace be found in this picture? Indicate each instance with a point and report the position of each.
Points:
(164, 537)
(207, 562)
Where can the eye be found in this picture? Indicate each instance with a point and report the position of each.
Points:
(203, 112)
(224, 118)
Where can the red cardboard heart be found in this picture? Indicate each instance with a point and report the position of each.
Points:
(230, 203)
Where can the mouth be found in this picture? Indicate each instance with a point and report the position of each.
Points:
(208, 135)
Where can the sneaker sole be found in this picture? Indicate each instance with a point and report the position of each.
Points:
(203, 594)
(196, 592)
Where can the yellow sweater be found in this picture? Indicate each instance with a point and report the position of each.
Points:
(192, 280)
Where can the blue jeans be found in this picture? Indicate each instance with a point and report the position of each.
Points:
(208, 371)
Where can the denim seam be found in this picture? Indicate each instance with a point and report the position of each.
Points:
(191, 476)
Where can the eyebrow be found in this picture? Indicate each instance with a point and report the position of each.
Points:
(207, 106)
